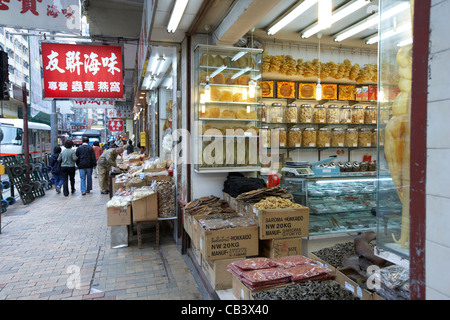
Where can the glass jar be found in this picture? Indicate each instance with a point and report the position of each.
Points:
(278, 137)
(320, 114)
(385, 113)
(324, 137)
(357, 115)
(294, 138)
(370, 115)
(346, 114)
(306, 113)
(264, 134)
(365, 138)
(374, 137)
(338, 137)
(309, 137)
(276, 113)
(351, 138)
(263, 113)
(333, 114)
(291, 114)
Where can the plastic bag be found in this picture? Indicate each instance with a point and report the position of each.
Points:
(292, 261)
(307, 272)
(254, 263)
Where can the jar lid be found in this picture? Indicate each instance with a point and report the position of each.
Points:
(324, 129)
(352, 129)
(291, 105)
(306, 106)
(357, 107)
(333, 106)
(345, 107)
(366, 130)
(295, 129)
(338, 129)
(310, 129)
(320, 106)
(281, 129)
(370, 107)
(276, 104)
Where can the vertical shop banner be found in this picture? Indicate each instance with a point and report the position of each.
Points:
(82, 71)
(115, 125)
(52, 15)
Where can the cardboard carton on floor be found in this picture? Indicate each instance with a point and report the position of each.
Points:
(118, 216)
(145, 209)
(217, 274)
(226, 243)
(277, 248)
(343, 278)
(281, 223)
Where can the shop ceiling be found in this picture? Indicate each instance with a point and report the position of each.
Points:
(229, 21)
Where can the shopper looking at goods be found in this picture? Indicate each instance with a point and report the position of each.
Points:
(68, 159)
(130, 148)
(56, 169)
(86, 162)
(98, 152)
(106, 161)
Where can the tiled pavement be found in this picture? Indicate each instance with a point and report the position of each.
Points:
(59, 248)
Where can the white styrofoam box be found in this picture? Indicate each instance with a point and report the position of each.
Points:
(438, 174)
(439, 13)
(439, 64)
(438, 116)
(438, 220)
(437, 265)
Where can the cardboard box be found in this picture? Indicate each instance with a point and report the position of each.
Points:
(241, 292)
(342, 277)
(322, 263)
(118, 216)
(196, 253)
(276, 248)
(145, 209)
(217, 274)
(281, 223)
(226, 243)
(131, 184)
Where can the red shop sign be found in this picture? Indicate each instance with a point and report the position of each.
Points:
(115, 125)
(77, 71)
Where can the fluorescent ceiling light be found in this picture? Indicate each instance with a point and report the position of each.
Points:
(297, 11)
(370, 21)
(337, 15)
(238, 55)
(177, 13)
(161, 61)
(325, 8)
(241, 72)
(390, 33)
(218, 70)
(405, 42)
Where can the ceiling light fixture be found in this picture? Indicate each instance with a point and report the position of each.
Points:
(177, 13)
(390, 33)
(325, 8)
(218, 70)
(238, 55)
(161, 61)
(288, 18)
(370, 21)
(337, 15)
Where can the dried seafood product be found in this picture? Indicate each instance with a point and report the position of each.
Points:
(166, 197)
(239, 222)
(142, 193)
(307, 272)
(214, 224)
(276, 203)
(264, 278)
(335, 255)
(309, 290)
(292, 261)
(257, 195)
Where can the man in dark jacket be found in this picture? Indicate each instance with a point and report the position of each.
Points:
(86, 162)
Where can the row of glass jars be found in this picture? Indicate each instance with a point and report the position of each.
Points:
(333, 114)
(324, 137)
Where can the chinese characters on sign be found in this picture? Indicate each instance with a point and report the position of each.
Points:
(52, 15)
(115, 125)
(82, 71)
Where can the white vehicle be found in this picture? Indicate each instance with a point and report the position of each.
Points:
(12, 142)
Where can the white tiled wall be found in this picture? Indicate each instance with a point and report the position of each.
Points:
(438, 156)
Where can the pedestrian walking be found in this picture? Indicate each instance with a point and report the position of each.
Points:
(86, 162)
(130, 148)
(56, 168)
(98, 152)
(106, 161)
(68, 159)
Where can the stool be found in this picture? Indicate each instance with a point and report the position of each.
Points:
(139, 231)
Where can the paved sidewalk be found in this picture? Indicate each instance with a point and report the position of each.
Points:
(59, 248)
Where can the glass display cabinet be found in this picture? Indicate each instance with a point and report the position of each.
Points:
(227, 99)
(340, 204)
(394, 83)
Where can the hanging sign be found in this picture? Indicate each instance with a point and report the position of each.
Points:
(115, 125)
(93, 104)
(52, 15)
(80, 71)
